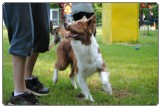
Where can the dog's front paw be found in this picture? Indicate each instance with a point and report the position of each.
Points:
(55, 79)
(55, 76)
(92, 100)
(89, 97)
(73, 82)
(107, 88)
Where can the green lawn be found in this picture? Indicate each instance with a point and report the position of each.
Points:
(133, 75)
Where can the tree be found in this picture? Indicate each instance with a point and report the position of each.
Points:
(98, 11)
(54, 5)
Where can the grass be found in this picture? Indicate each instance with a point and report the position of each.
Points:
(133, 75)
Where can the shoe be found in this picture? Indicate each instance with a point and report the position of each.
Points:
(36, 87)
(23, 99)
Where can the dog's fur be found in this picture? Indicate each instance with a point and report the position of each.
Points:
(81, 50)
(58, 35)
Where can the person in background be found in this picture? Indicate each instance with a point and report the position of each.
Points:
(82, 9)
(151, 20)
(28, 32)
(67, 12)
(61, 5)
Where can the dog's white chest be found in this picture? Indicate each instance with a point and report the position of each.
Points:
(88, 58)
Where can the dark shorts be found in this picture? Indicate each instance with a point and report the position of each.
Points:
(28, 27)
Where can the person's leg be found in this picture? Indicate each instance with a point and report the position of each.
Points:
(19, 40)
(18, 73)
(31, 60)
(70, 18)
(66, 18)
(19, 26)
(40, 13)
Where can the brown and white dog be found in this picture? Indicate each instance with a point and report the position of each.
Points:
(81, 50)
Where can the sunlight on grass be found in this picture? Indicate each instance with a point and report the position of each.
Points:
(133, 75)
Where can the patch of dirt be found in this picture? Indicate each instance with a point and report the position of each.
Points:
(115, 93)
(80, 95)
(121, 93)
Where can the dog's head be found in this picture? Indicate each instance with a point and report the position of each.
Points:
(58, 34)
(82, 29)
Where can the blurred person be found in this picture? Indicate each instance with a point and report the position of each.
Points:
(67, 12)
(82, 9)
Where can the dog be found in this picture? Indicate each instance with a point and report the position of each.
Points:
(81, 50)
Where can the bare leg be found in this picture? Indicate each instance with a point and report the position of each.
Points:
(18, 73)
(30, 64)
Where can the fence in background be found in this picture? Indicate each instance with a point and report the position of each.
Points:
(58, 19)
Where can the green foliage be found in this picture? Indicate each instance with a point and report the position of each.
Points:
(54, 5)
(98, 11)
(154, 10)
(97, 5)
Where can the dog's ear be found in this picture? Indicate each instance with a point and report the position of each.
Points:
(57, 29)
(92, 24)
(84, 18)
(54, 31)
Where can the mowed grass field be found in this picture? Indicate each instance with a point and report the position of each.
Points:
(133, 75)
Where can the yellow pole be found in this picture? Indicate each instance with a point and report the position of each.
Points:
(106, 23)
(120, 22)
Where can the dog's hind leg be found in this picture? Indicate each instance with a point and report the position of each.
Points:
(104, 75)
(55, 76)
(82, 84)
(62, 65)
(73, 82)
